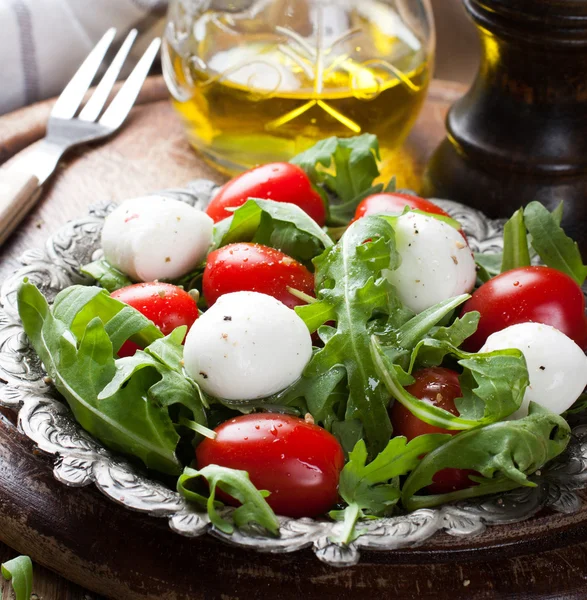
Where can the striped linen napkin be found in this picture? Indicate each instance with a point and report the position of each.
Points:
(43, 42)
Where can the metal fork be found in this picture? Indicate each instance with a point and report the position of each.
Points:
(20, 185)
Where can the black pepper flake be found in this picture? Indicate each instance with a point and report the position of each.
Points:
(542, 368)
(204, 375)
(227, 318)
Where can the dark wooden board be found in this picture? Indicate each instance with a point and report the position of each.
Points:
(101, 546)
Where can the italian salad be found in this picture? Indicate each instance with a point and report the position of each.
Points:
(315, 344)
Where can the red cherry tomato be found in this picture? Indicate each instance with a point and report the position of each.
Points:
(537, 294)
(246, 267)
(281, 182)
(168, 306)
(393, 203)
(439, 387)
(297, 462)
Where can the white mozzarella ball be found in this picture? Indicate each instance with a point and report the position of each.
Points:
(556, 365)
(153, 237)
(246, 346)
(436, 262)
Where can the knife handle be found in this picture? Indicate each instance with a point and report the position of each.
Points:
(19, 191)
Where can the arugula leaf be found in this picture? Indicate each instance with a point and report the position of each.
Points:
(554, 247)
(280, 225)
(19, 571)
(579, 405)
(515, 243)
(511, 449)
(488, 265)
(235, 483)
(348, 433)
(400, 341)
(558, 212)
(165, 357)
(455, 334)
(370, 489)
(78, 355)
(493, 385)
(77, 305)
(193, 281)
(349, 290)
(346, 167)
(106, 275)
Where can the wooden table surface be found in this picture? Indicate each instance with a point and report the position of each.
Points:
(149, 154)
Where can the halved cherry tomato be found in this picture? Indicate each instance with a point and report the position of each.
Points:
(246, 267)
(392, 203)
(282, 182)
(439, 387)
(528, 294)
(168, 306)
(297, 462)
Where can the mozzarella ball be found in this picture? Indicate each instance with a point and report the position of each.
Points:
(248, 345)
(153, 237)
(436, 262)
(556, 365)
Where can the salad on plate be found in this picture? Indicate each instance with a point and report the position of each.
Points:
(317, 344)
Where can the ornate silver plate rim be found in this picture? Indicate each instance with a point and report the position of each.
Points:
(80, 460)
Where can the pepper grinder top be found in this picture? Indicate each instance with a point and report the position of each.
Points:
(520, 132)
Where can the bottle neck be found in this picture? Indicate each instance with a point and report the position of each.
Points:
(544, 23)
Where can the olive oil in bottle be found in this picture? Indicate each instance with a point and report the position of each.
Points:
(265, 83)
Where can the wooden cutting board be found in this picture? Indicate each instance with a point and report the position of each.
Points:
(88, 540)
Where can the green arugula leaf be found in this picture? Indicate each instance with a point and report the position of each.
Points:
(346, 167)
(164, 356)
(454, 335)
(557, 213)
(579, 405)
(348, 433)
(349, 290)
(132, 418)
(253, 509)
(488, 265)
(554, 247)
(106, 275)
(515, 243)
(193, 281)
(493, 385)
(280, 225)
(19, 571)
(372, 489)
(400, 341)
(77, 305)
(512, 450)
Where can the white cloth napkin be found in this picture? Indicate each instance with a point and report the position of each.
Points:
(43, 42)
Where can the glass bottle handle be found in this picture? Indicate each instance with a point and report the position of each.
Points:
(179, 92)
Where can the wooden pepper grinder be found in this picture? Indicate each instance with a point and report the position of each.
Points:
(520, 133)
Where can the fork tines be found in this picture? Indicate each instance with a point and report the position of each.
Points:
(72, 96)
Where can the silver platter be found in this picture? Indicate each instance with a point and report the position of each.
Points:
(80, 460)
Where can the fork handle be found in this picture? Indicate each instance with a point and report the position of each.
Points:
(19, 191)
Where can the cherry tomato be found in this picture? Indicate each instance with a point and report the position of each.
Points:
(168, 306)
(297, 462)
(281, 182)
(246, 267)
(439, 387)
(393, 203)
(536, 294)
